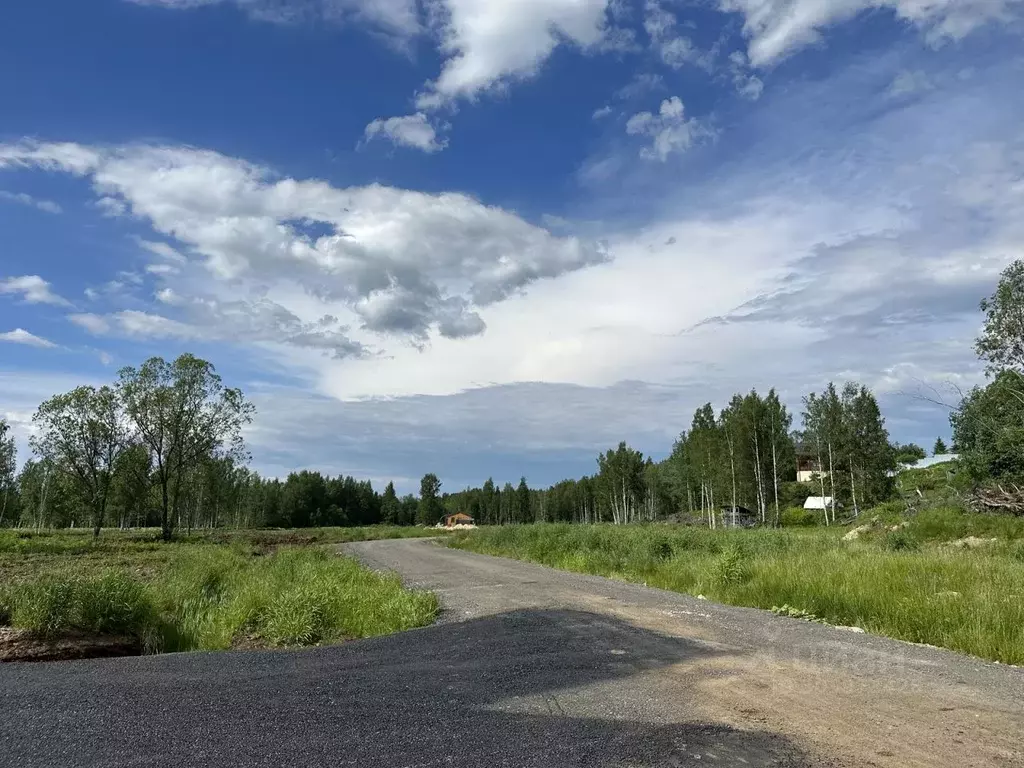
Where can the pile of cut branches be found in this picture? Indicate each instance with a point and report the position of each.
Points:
(1007, 500)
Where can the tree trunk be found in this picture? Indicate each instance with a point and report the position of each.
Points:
(732, 463)
(831, 481)
(775, 477)
(853, 490)
(821, 482)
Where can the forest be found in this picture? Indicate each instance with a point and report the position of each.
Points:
(163, 446)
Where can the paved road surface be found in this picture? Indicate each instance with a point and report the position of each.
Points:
(528, 667)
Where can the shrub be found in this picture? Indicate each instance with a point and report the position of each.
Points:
(900, 541)
(799, 517)
(731, 567)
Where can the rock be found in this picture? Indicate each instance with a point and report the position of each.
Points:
(973, 542)
(856, 532)
(900, 526)
(858, 630)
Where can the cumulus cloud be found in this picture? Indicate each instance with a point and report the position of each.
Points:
(32, 289)
(778, 28)
(601, 112)
(24, 199)
(398, 18)
(669, 130)
(21, 336)
(488, 43)
(413, 131)
(399, 262)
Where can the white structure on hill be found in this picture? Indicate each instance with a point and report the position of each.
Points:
(819, 502)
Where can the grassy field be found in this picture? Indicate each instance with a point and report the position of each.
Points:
(207, 591)
(912, 584)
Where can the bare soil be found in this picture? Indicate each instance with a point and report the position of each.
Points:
(23, 645)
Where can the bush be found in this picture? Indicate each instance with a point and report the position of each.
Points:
(799, 517)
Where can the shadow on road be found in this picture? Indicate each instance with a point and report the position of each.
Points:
(528, 688)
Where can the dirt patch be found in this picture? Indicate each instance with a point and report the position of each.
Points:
(23, 645)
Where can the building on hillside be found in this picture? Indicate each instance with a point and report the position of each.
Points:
(808, 469)
(459, 518)
(820, 503)
(738, 517)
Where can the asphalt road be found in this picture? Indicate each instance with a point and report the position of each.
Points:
(528, 667)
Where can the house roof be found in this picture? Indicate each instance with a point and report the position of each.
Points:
(931, 461)
(818, 502)
(740, 510)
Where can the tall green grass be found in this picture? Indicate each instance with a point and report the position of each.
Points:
(969, 601)
(217, 597)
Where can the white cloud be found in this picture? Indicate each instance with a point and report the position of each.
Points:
(33, 290)
(21, 336)
(398, 18)
(747, 85)
(641, 85)
(24, 199)
(907, 83)
(601, 112)
(388, 263)
(675, 49)
(409, 131)
(669, 130)
(489, 43)
(163, 250)
(778, 28)
(162, 269)
(91, 322)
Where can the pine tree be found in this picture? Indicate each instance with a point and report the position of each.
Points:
(430, 508)
(523, 502)
(390, 507)
(939, 448)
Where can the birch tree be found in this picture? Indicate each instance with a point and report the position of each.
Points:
(183, 414)
(84, 433)
(8, 462)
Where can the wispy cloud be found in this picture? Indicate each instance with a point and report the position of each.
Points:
(25, 199)
(32, 289)
(21, 336)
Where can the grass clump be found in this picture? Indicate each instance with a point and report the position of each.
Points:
(201, 595)
(114, 603)
(900, 540)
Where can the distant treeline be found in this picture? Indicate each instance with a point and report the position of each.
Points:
(162, 446)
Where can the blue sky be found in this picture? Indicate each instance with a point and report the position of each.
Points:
(491, 238)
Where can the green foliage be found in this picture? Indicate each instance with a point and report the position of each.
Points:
(1001, 343)
(731, 567)
(911, 453)
(800, 517)
(112, 603)
(207, 591)
(900, 541)
(794, 613)
(988, 429)
(939, 449)
(430, 509)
